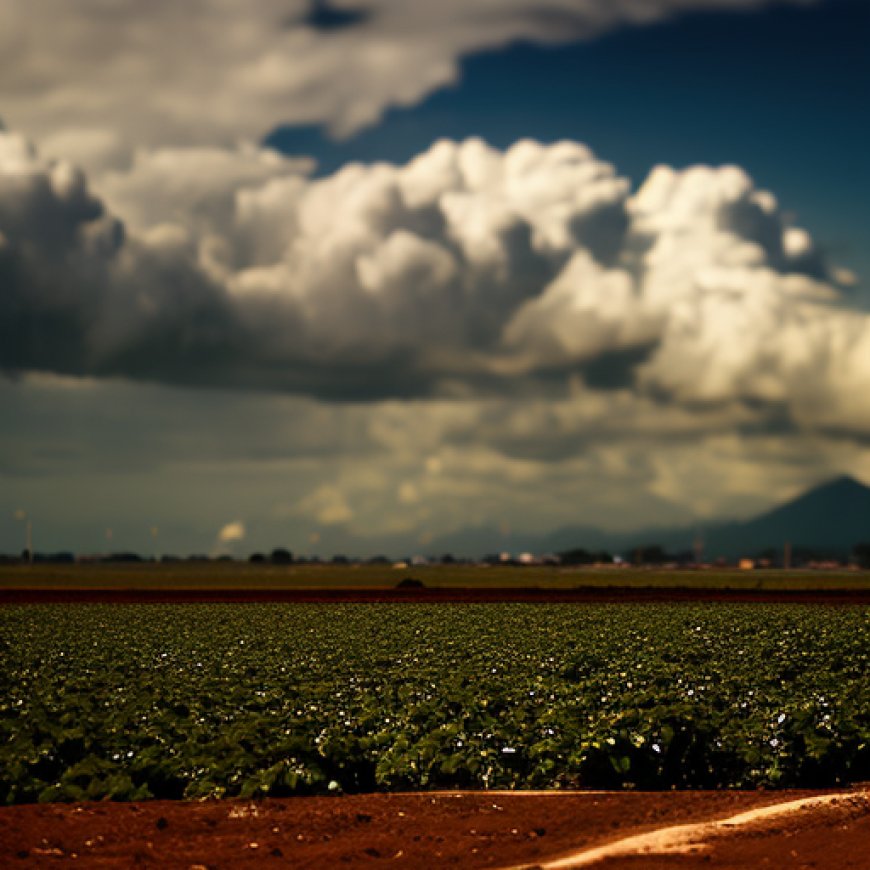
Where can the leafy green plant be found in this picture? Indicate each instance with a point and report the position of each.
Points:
(194, 701)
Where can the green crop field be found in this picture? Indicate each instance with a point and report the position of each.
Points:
(173, 701)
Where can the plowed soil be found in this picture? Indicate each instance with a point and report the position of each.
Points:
(467, 830)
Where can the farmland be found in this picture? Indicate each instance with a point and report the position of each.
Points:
(208, 700)
(216, 577)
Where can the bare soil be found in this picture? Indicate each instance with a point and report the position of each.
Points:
(830, 838)
(467, 830)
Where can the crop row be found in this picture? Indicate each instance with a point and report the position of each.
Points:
(133, 702)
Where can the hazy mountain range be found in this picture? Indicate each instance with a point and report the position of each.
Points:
(830, 518)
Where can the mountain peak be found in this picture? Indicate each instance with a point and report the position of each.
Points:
(843, 486)
(847, 480)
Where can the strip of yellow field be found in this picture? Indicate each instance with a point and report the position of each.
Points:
(243, 576)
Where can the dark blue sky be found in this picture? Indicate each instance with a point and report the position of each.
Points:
(783, 93)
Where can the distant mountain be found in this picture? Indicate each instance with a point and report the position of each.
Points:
(830, 518)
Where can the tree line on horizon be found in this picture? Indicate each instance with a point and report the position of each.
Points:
(651, 554)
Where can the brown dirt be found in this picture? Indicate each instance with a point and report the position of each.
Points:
(467, 830)
(835, 837)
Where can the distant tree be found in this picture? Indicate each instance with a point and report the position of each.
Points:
(257, 558)
(54, 558)
(379, 560)
(650, 554)
(123, 557)
(280, 556)
(410, 583)
(448, 559)
(340, 560)
(861, 555)
(579, 556)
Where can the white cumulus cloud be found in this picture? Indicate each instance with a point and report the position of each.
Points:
(232, 532)
(467, 272)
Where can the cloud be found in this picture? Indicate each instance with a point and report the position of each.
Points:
(232, 532)
(325, 506)
(468, 272)
(386, 472)
(196, 188)
(263, 63)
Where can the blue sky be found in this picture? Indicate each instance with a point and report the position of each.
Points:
(223, 319)
(780, 91)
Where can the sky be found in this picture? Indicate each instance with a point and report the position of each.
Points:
(367, 276)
